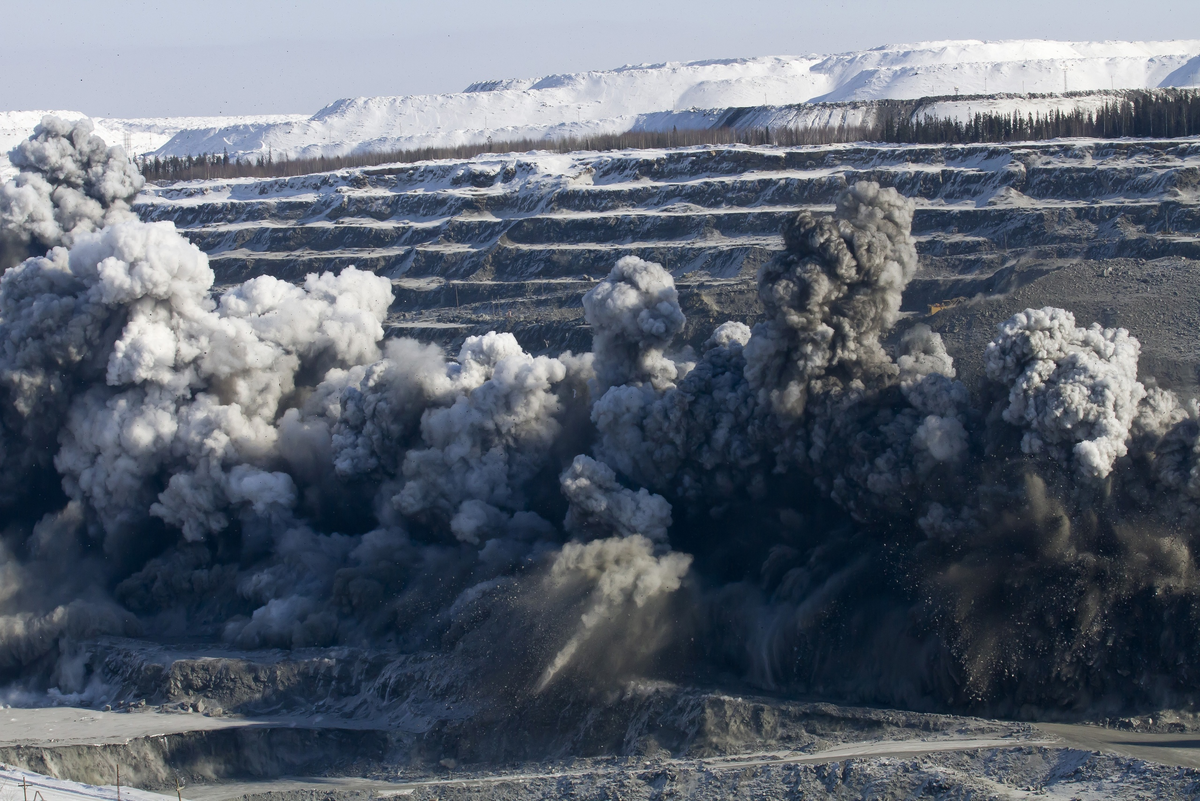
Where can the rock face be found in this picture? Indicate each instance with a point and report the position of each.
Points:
(1107, 230)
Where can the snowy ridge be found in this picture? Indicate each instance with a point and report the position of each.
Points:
(772, 90)
(618, 100)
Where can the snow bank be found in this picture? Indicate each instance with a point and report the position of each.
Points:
(11, 789)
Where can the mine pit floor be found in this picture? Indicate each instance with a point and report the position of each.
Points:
(1082, 761)
(1166, 748)
(385, 789)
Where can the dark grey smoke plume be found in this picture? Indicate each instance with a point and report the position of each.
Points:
(912, 540)
(829, 300)
(797, 503)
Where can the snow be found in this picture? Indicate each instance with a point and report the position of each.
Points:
(850, 114)
(145, 134)
(650, 97)
(657, 97)
(19, 785)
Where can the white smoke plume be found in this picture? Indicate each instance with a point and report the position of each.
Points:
(150, 397)
(377, 414)
(602, 507)
(922, 353)
(634, 314)
(483, 447)
(191, 386)
(70, 183)
(926, 379)
(1074, 390)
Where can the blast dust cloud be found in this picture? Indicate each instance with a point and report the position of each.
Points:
(797, 503)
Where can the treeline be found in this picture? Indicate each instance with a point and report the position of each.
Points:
(1163, 114)
(1159, 113)
(221, 165)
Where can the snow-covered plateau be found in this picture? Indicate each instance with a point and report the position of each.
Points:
(782, 89)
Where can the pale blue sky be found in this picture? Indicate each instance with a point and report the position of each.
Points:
(270, 56)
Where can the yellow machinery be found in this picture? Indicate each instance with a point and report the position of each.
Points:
(942, 305)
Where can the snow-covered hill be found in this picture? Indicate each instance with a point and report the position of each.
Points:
(661, 96)
(22, 785)
(145, 134)
(617, 100)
